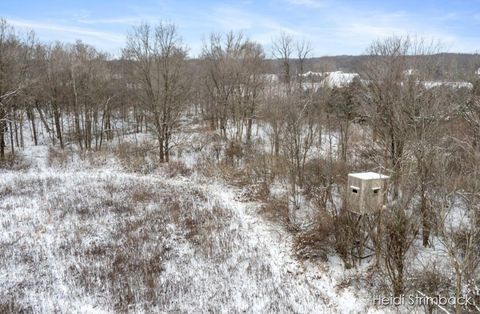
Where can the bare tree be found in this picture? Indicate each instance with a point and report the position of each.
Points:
(13, 55)
(221, 66)
(303, 52)
(391, 96)
(273, 112)
(233, 82)
(343, 104)
(283, 49)
(400, 232)
(404, 112)
(457, 196)
(253, 61)
(158, 69)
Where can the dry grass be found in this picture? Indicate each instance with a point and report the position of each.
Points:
(113, 237)
(58, 158)
(14, 163)
(140, 158)
(275, 211)
(176, 168)
(317, 242)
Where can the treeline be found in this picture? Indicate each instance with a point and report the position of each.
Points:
(75, 90)
(452, 66)
(391, 118)
(70, 89)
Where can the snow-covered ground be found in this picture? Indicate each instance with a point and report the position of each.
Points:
(93, 238)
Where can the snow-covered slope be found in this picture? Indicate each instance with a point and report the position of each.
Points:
(100, 240)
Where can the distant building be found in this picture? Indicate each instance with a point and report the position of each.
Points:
(338, 79)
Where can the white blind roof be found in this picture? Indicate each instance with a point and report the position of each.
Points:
(368, 175)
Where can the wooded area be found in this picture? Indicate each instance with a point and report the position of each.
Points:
(401, 116)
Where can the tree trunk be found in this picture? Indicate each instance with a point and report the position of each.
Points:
(2, 140)
(161, 152)
(58, 127)
(249, 129)
(22, 142)
(78, 130)
(425, 218)
(12, 145)
(276, 140)
(17, 140)
(458, 290)
(42, 117)
(31, 117)
(167, 148)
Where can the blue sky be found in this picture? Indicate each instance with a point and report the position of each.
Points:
(333, 26)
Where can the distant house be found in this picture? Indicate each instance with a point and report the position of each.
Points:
(339, 79)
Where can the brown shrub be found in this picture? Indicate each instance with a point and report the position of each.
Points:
(238, 176)
(177, 168)
(142, 194)
(275, 211)
(233, 151)
(320, 174)
(316, 242)
(139, 158)
(254, 193)
(8, 304)
(345, 234)
(14, 162)
(432, 283)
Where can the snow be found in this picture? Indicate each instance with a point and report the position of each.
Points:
(409, 72)
(331, 79)
(339, 79)
(270, 78)
(456, 85)
(310, 74)
(368, 175)
(56, 214)
(314, 86)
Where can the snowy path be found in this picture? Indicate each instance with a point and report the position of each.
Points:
(316, 284)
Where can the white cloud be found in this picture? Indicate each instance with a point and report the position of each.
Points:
(363, 27)
(232, 19)
(235, 19)
(124, 20)
(67, 29)
(308, 3)
(338, 29)
(119, 20)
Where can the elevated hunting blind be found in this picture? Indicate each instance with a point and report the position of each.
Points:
(366, 191)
